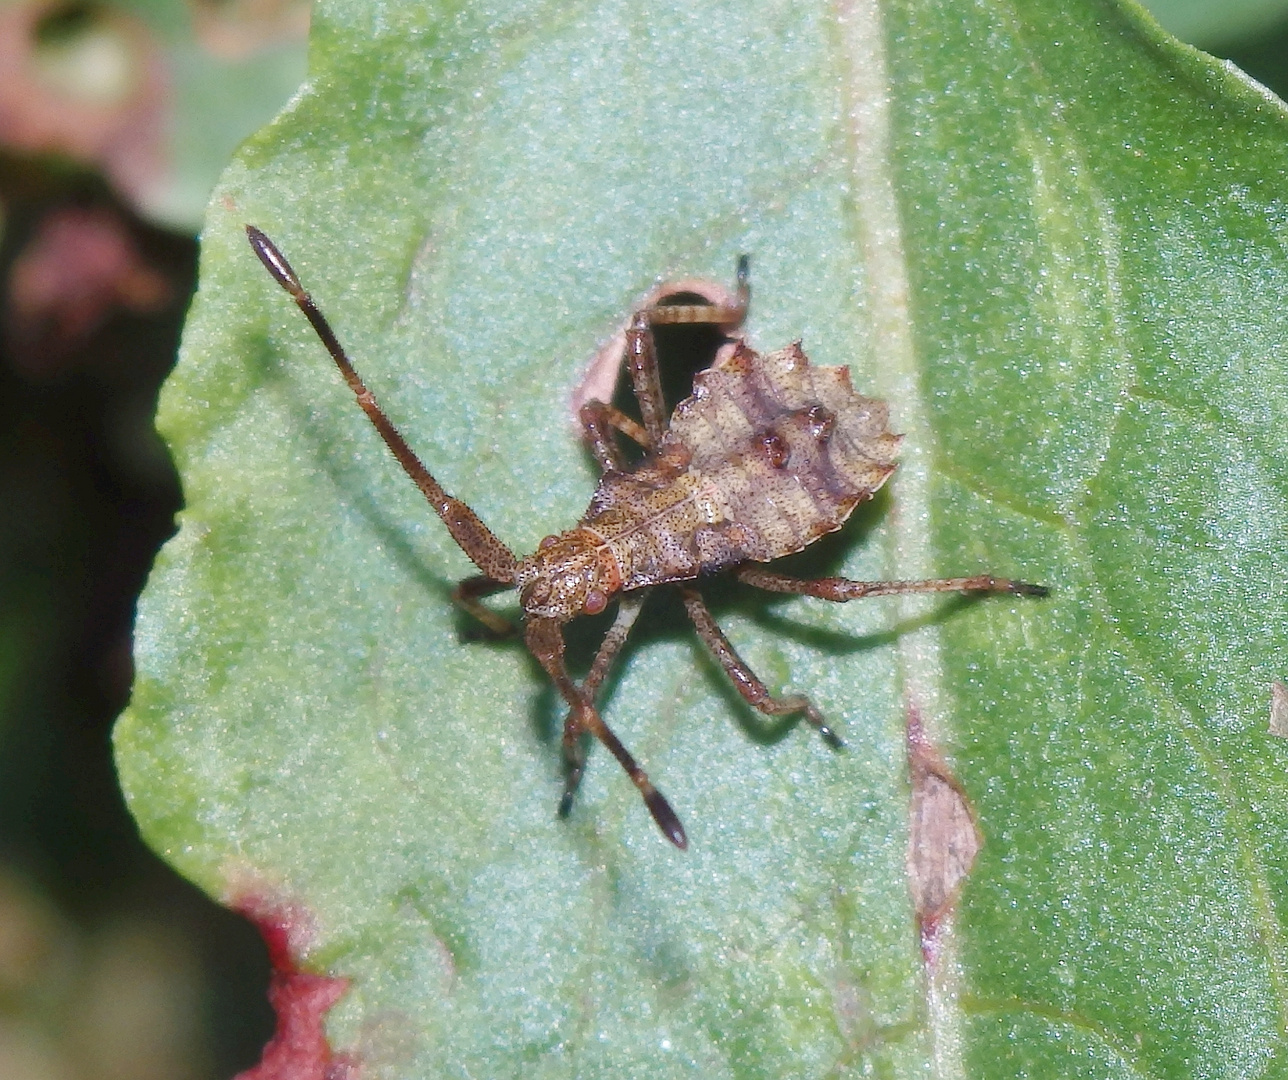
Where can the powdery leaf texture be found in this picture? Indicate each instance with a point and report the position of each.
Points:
(1054, 242)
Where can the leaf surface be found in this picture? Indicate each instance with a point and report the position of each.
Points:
(1053, 240)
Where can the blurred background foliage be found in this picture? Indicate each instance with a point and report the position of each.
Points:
(115, 120)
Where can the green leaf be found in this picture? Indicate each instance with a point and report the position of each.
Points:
(1054, 240)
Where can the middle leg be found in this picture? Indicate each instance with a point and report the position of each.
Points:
(598, 422)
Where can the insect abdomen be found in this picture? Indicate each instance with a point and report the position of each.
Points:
(767, 455)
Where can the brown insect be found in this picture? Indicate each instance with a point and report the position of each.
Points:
(767, 455)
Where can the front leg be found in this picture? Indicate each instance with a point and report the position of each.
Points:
(466, 596)
(574, 753)
(544, 638)
(598, 421)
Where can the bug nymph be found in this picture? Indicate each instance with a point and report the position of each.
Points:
(767, 455)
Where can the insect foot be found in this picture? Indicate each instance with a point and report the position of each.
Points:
(767, 455)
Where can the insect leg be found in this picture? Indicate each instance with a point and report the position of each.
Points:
(729, 315)
(641, 354)
(544, 638)
(641, 358)
(474, 538)
(466, 596)
(840, 589)
(597, 419)
(628, 610)
(743, 678)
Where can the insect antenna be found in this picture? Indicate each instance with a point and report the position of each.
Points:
(482, 546)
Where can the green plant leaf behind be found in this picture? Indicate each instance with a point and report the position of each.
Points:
(1054, 240)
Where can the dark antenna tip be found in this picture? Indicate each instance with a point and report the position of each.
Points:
(666, 819)
(744, 269)
(831, 737)
(274, 261)
(1023, 588)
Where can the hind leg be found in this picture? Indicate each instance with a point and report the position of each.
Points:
(753, 691)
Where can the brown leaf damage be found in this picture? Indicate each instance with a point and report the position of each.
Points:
(1279, 709)
(943, 837)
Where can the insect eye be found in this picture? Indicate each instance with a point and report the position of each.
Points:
(775, 450)
(595, 602)
(547, 542)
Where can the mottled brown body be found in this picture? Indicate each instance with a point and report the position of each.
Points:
(767, 455)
